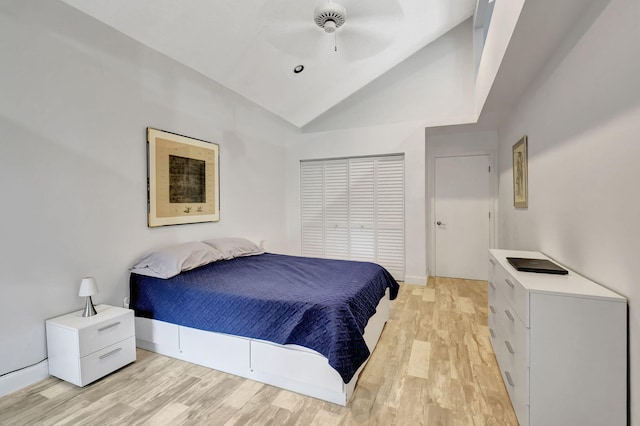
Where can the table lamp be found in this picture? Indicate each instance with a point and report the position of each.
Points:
(88, 288)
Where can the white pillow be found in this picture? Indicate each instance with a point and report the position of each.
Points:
(170, 261)
(234, 247)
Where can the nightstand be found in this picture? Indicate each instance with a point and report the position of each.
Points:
(84, 349)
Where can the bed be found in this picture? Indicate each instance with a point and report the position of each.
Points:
(303, 324)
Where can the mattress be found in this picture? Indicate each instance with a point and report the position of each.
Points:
(320, 304)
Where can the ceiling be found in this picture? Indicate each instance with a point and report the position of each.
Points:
(252, 46)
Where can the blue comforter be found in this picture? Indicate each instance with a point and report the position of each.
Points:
(320, 304)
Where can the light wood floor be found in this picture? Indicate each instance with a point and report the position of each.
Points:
(433, 366)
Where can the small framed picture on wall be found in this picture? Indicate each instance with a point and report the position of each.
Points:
(520, 174)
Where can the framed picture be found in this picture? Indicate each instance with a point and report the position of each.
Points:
(520, 174)
(183, 179)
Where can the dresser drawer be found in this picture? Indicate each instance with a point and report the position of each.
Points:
(520, 399)
(492, 328)
(516, 380)
(496, 335)
(514, 292)
(106, 360)
(516, 335)
(493, 306)
(497, 331)
(520, 395)
(501, 280)
(493, 266)
(105, 333)
(518, 297)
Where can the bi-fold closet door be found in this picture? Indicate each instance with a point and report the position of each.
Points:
(353, 209)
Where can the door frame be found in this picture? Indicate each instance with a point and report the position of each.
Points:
(431, 189)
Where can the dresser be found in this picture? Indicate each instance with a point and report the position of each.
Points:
(561, 345)
(83, 349)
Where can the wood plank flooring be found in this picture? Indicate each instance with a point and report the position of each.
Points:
(433, 366)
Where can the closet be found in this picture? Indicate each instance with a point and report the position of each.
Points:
(353, 208)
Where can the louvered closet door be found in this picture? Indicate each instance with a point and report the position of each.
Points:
(390, 215)
(312, 200)
(336, 209)
(362, 209)
(354, 209)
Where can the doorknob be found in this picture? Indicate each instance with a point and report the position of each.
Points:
(439, 223)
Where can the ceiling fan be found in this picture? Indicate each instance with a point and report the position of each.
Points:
(330, 16)
(370, 27)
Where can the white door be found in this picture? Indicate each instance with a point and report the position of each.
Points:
(312, 207)
(362, 209)
(390, 215)
(336, 209)
(463, 216)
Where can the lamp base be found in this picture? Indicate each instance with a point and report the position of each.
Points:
(89, 309)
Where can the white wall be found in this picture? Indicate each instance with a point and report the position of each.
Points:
(504, 18)
(76, 99)
(407, 138)
(582, 118)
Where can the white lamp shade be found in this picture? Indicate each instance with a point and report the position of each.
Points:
(88, 287)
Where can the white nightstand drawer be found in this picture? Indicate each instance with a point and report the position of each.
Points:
(106, 360)
(106, 332)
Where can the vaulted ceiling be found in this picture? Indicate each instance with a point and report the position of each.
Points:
(253, 46)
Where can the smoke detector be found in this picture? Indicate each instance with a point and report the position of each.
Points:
(330, 16)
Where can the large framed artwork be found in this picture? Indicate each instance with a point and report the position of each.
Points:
(183, 179)
(520, 174)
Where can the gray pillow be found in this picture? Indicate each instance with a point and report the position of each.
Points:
(170, 261)
(234, 247)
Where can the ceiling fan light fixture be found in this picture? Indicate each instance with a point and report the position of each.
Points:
(330, 27)
(330, 16)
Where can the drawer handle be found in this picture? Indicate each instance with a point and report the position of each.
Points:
(506, 311)
(493, 262)
(493, 287)
(509, 347)
(509, 379)
(493, 310)
(493, 334)
(106, 327)
(113, 352)
(512, 285)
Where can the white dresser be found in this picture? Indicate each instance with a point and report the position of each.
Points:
(561, 344)
(84, 349)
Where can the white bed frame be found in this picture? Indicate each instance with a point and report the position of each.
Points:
(290, 367)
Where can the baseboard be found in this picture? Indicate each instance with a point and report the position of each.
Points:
(17, 380)
(415, 280)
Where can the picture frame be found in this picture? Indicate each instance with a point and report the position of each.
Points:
(520, 174)
(183, 179)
